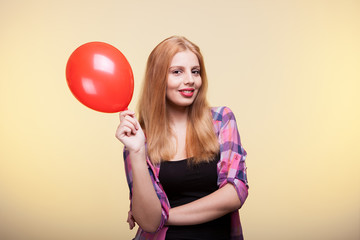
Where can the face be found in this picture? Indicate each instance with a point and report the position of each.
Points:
(183, 79)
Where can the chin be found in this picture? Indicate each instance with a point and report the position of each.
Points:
(180, 104)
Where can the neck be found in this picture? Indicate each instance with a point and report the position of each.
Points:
(177, 115)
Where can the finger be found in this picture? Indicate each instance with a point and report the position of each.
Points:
(130, 117)
(131, 224)
(132, 120)
(130, 126)
(130, 220)
(124, 131)
(138, 126)
(125, 113)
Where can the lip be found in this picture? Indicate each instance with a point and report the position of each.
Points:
(187, 92)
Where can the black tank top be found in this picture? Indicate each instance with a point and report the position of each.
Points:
(184, 183)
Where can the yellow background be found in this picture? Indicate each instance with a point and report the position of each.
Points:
(290, 71)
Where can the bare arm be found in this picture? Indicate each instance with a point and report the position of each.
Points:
(146, 207)
(210, 207)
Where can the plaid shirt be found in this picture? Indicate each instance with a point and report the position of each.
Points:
(231, 169)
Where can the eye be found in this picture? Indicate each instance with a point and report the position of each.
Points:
(176, 71)
(196, 72)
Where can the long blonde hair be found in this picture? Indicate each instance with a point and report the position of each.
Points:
(201, 142)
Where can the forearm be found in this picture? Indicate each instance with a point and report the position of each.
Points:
(210, 207)
(146, 207)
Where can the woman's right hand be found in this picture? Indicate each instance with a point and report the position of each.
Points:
(129, 132)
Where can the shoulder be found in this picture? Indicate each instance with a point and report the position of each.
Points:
(222, 118)
(222, 114)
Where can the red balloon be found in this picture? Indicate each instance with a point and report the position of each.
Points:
(100, 77)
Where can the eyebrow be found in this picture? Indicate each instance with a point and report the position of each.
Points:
(197, 66)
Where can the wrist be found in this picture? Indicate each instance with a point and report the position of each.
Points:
(135, 148)
(137, 151)
(137, 155)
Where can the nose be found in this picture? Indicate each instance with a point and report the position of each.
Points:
(189, 79)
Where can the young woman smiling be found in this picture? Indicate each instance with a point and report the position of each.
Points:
(184, 161)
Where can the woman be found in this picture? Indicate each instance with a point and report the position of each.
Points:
(184, 162)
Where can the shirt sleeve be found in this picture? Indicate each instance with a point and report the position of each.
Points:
(232, 168)
(165, 206)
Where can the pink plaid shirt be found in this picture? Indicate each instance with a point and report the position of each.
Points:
(231, 169)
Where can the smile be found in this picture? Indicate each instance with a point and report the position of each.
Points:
(189, 92)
